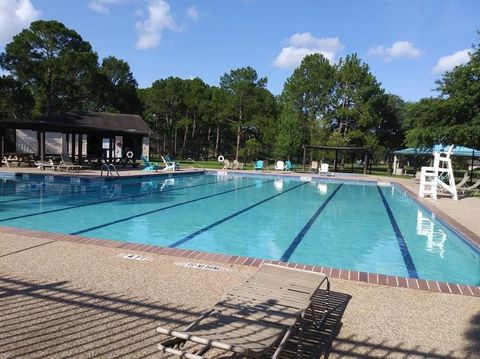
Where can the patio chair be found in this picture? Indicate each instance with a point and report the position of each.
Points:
(289, 166)
(227, 165)
(149, 166)
(67, 165)
(258, 165)
(464, 181)
(237, 165)
(279, 166)
(324, 170)
(170, 165)
(44, 165)
(254, 316)
(314, 166)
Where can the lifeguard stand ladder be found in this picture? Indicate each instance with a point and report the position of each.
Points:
(434, 177)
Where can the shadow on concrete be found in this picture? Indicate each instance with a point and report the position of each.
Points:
(473, 336)
(42, 320)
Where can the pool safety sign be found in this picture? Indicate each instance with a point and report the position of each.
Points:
(134, 257)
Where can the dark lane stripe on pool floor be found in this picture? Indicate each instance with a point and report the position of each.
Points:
(204, 229)
(298, 239)
(407, 258)
(163, 209)
(105, 201)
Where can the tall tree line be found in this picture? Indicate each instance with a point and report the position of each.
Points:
(52, 69)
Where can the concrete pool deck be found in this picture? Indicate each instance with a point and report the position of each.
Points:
(76, 300)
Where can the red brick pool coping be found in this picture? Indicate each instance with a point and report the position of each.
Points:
(372, 278)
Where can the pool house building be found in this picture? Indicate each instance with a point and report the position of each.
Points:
(84, 136)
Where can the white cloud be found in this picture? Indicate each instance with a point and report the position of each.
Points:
(398, 49)
(150, 30)
(193, 13)
(15, 15)
(303, 44)
(103, 6)
(447, 63)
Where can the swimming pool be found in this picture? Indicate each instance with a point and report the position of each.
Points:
(359, 226)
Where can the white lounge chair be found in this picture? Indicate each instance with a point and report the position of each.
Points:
(280, 166)
(474, 188)
(314, 166)
(43, 165)
(237, 165)
(227, 165)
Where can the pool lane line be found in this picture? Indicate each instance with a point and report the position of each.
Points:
(105, 201)
(407, 258)
(210, 226)
(298, 239)
(163, 209)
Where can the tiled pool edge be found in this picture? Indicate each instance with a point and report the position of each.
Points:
(371, 278)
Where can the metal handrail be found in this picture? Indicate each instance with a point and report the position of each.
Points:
(108, 169)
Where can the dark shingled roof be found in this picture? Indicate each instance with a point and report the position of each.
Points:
(99, 120)
(84, 121)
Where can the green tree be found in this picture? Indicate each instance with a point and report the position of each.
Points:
(242, 85)
(290, 134)
(53, 61)
(454, 116)
(16, 101)
(358, 99)
(122, 86)
(310, 91)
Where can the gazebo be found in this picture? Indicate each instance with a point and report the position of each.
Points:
(458, 151)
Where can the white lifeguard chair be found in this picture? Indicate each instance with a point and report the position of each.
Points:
(433, 177)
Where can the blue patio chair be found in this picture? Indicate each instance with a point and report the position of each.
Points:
(149, 166)
(259, 165)
(289, 166)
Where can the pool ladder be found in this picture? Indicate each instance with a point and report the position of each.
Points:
(110, 169)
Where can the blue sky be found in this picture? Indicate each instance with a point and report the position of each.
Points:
(407, 44)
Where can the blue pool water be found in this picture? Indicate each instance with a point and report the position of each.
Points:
(358, 226)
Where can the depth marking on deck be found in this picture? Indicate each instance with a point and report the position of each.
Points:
(107, 201)
(407, 258)
(163, 209)
(298, 239)
(210, 226)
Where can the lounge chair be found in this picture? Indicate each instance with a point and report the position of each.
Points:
(258, 165)
(44, 165)
(69, 166)
(474, 188)
(170, 165)
(463, 182)
(418, 176)
(149, 166)
(324, 170)
(314, 166)
(289, 166)
(227, 165)
(280, 166)
(254, 316)
(237, 165)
